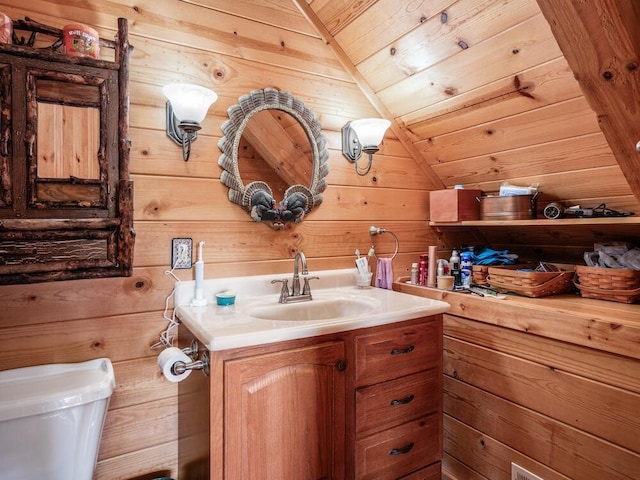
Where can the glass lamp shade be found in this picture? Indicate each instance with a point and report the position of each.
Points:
(190, 103)
(370, 130)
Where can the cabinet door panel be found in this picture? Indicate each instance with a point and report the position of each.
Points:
(397, 401)
(397, 352)
(398, 451)
(284, 415)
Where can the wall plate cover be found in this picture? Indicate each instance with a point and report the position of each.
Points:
(519, 473)
(181, 253)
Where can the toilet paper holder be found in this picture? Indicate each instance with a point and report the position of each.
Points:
(180, 367)
(192, 351)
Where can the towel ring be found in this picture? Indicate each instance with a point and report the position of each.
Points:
(376, 231)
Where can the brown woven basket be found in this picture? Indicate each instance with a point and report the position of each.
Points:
(479, 274)
(614, 284)
(530, 284)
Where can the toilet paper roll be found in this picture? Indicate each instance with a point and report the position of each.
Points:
(167, 358)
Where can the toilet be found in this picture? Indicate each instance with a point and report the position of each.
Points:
(51, 419)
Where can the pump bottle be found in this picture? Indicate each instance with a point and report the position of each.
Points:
(454, 267)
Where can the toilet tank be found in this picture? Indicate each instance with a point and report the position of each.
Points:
(51, 419)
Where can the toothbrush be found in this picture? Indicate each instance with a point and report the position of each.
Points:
(199, 299)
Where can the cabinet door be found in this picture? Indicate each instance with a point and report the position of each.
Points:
(285, 415)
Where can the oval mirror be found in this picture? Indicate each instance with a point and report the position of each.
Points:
(273, 148)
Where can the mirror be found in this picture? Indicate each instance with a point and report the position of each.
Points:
(273, 148)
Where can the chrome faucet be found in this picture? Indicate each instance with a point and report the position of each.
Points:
(295, 285)
(296, 295)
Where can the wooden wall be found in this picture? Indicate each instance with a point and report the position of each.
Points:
(234, 47)
(550, 384)
(560, 410)
(231, 47)
(483, 93)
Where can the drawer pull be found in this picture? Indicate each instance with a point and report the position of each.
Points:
(402, 351)
(402, 450)
(402, 401)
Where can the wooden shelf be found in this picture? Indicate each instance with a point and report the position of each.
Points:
(541, 222)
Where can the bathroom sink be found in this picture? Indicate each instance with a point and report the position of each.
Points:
(327, 308)
(256, 317)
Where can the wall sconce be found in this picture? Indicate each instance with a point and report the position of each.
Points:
(363, 136)
(187, 106)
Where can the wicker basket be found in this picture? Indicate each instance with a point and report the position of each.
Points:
(614, 284)
(530, 283)
(479, 274)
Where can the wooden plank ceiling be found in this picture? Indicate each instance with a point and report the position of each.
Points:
(481, 92)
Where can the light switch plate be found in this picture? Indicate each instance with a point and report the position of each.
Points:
(181, 253)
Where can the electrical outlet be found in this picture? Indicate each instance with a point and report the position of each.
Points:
(519, 473)
(181, 252)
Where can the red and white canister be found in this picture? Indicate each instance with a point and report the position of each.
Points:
(80, 41)
(6, 28)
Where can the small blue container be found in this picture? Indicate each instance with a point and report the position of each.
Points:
(225, 298)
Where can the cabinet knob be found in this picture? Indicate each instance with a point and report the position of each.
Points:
(402, 450)
(402, 351)
(341, 365)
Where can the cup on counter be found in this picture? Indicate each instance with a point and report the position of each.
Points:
(6, 29)
(445, 282)
(363, 280)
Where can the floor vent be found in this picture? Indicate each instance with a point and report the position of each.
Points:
(519, 473)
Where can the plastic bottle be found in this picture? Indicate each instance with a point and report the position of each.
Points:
(414, 274)
(466, 265)
(422, 269)
(440, 271)
(454, 267)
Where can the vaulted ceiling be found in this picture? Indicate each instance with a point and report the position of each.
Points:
(487, 91)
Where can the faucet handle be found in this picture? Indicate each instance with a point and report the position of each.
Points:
(306, 289)
(284, 292)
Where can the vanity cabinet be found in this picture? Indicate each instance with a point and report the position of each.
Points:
(361, 404)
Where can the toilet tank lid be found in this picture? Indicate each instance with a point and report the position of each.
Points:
(45, 388)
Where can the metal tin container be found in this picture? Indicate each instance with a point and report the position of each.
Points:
(517, 207)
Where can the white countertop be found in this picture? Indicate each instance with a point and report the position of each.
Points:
(221, 328)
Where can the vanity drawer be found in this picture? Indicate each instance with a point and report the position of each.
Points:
(399, 451)
(398, 352)
(395, 402)
(432, 472)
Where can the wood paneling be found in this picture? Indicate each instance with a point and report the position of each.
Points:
(231, 47)
(473, 82)
(487, 65)
(558, 405)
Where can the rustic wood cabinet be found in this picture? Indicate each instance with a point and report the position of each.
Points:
(66, 208)
(363, 404)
